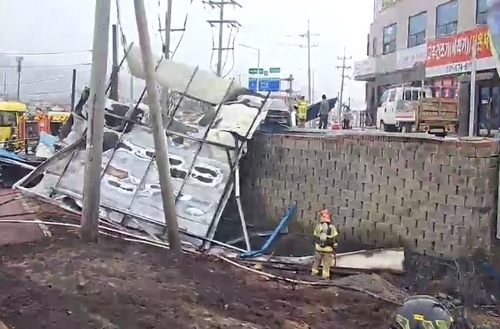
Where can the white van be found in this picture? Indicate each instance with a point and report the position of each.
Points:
(391, 112)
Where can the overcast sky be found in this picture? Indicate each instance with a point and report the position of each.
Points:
(274, 26)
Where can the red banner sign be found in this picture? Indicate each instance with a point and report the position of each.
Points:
(458, 48)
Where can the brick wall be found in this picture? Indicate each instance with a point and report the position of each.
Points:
(436, 196)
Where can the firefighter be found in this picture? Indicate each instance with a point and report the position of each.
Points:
(422, 312)
(325, 235)
(302, 111)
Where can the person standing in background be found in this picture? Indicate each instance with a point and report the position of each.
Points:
(302, 112)
(324, 111)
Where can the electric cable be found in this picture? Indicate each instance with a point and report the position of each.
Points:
(155, 32)
(223, 66)
(233, 57)
(183, 31)
(44, 53)
(213, 51)
(43, 80)
(40, 93)
(46, 66)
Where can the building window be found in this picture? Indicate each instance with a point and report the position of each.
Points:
(416, 29)
(389, 39)
(374, 47)
(481, 12)
(447, 18)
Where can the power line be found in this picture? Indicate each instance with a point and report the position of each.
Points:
(44, 53)
(46, 66)
(221, 22)
(44, 80)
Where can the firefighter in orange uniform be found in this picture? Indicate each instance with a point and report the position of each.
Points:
(325, 235)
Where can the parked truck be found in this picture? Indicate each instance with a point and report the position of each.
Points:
(418, 109)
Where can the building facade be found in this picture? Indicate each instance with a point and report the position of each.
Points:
(430, 42)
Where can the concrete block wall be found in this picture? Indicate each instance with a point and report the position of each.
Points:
(435, 196)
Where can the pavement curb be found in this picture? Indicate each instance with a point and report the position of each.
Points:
(44, 228)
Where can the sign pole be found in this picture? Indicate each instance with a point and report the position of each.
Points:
(472, 110)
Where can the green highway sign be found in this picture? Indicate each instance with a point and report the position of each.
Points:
(274, 70)
(255, 70)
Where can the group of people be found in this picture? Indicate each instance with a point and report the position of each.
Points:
(323, 113)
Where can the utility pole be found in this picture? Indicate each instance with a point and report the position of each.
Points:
(166, 50)
(73, 90)
(4, 94)
(113, 93)
(308, 35)
(97, 101)
(161, 152)
(221, 22)
(19, 60)
(343, 75)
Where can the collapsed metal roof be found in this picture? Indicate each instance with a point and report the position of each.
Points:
(209, 123)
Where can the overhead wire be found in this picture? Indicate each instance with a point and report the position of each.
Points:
(186, 18)
(156, 33)
(233, 58)
(45, 66)
(42, 80)
(43, 53)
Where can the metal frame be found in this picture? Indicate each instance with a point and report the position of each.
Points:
(232, 162)
(220, 209)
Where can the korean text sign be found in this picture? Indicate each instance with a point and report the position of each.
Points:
(457, 48)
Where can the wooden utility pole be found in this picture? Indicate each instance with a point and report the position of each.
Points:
(19, 60)
(73, 90)
(113, 94)
(160, 142)
(97, 101)
(343, 76)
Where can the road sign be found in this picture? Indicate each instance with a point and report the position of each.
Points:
(274, 70)
(255, 70)
(253, 83)
(270, 84)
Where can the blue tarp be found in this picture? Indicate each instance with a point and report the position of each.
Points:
(10, 155)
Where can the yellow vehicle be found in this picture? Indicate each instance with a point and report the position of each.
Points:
(10, 112)
(56, 121)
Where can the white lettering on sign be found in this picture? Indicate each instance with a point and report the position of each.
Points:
(458, 68)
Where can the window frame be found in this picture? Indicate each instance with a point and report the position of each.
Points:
(483, 14)
(392, 42)
(421, 34)
(451, 25)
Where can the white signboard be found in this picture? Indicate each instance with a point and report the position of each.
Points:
(407, 58)
(365, 67)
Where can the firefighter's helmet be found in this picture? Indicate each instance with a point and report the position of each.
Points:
(422, 312)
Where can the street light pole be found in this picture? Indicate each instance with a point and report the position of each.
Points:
(258, 61)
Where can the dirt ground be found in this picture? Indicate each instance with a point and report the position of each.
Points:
(59, 282)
